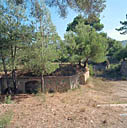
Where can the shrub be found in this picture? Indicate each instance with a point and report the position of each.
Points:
(8, 99)
(91, 70)
(114, 67)
(113, 71)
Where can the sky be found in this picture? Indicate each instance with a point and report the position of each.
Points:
(114, 12)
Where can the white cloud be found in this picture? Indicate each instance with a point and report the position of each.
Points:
(116, 35)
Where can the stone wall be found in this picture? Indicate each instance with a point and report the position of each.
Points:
(61, 83)
(52, 83)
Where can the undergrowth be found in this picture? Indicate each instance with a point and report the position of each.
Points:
(7, 99)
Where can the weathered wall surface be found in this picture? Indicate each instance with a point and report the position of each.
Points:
(61, 83)
(52, 83)
(124, 68)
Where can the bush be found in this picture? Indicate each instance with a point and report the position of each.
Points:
(113, 71)
(114, 67)
(91, 70)
(8, 99)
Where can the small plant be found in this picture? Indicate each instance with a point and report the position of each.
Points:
(91, 70)
(124, 78)
(113, 71)
(8, 99)
(5, 119)
(115, 67)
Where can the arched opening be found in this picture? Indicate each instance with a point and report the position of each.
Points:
(32, 87)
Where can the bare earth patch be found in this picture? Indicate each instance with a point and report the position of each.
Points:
(73, 109)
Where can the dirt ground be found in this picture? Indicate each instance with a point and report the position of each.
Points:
(73, 109)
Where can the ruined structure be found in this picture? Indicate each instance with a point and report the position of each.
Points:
(52, 83)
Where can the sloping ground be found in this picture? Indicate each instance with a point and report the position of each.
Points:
(73, 109)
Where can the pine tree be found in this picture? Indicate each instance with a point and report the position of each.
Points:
(43, 51)
(85, 44)
(93, 21)
(123, 29)
(14, 35)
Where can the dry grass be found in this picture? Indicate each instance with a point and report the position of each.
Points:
(5, 119)
(72, 109)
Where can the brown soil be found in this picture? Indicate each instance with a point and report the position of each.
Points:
(73, 109)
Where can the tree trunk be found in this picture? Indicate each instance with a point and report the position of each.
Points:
(85, 63)
(107, 64)
(13, 54)
(14, 80)
(6, 76)
(42, 84)
(79, 63)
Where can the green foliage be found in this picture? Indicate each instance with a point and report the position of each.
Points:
(43, 52)
(23, 41)
(8, 99)
(28, 39)
(124, 78)
(121, 54)
(38, 62)
(5, 119)
(123, 29)
(113, 47)
(91, 70)
(85, 6)
(115, 67)
(62, 52)
(84, 44)
(15, 34)
(113, 71)
(92, 20)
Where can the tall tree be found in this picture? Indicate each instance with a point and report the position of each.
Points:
(121, 54)
(93, 21)
(14, 31)
(43, 51)
(88, 7)
(113, 47)
(4, 54)
(85, 44)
